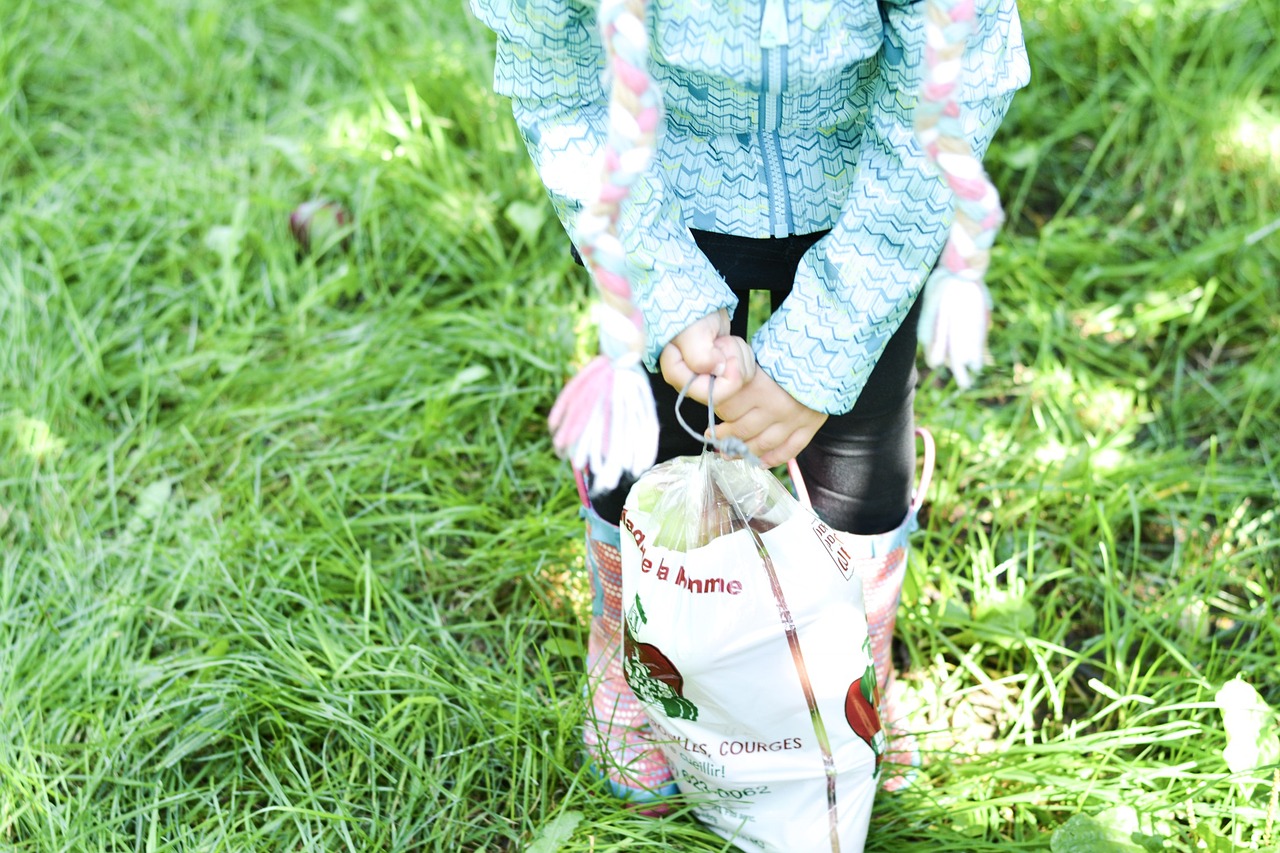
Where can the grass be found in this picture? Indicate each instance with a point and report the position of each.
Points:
(287, 563)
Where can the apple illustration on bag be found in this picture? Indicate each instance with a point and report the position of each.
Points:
(862, 709)
(651, 674)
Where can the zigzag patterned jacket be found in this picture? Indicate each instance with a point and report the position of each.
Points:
(782, 117)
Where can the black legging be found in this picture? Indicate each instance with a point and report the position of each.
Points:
(860, 465)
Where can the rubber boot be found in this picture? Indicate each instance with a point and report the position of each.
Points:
(618, 738)
(880, 561)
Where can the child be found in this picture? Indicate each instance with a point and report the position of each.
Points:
(788, 163)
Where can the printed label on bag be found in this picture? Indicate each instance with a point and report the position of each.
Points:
(693, 751)
(663, 572)
(839, 554)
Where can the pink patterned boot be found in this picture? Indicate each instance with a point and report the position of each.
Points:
(617, 734)
(880, 561)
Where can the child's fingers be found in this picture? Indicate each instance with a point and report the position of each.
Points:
(677, 374)
(772, 436)
(738, 366)
(729, 359)
(697, 343)
(731, 401)
(786, 449)
(773, 443)
(738, 352)
(747, 427)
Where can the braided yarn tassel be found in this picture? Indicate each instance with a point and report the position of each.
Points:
(956, 312)
(604, 419)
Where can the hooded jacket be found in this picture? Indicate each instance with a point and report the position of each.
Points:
(782, 117)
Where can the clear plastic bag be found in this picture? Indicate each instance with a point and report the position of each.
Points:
(694, 500)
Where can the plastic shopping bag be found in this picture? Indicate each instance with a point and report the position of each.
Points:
(746, 639)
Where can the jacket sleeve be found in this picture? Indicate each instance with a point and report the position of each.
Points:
(854, 287)
(550, 62)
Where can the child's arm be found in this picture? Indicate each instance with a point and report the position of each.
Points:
(855, 286)
(549, 62)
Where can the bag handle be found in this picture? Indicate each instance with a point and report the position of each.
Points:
(922, 488)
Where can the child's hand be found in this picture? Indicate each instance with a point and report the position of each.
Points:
(774, 425)
(706, 349)
(739, 367)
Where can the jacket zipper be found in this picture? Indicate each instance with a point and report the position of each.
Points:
(773, 29)
(774, 39)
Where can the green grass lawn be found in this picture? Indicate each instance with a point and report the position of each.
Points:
(286, 562)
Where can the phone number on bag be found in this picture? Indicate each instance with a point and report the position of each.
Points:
(724, 793)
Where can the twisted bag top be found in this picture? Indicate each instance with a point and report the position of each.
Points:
(855, 286)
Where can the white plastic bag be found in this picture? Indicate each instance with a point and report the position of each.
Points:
(746, 638)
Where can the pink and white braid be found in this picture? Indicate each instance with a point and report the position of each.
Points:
(956, 313)
(604, 420)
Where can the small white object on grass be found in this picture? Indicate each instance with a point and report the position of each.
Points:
(1252, 728)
